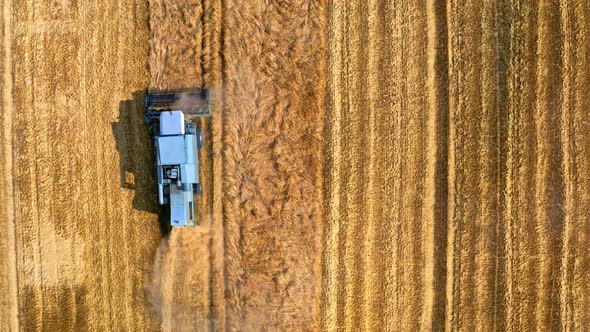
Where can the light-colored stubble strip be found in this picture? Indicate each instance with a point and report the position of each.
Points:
(9, 311)
(575, 128)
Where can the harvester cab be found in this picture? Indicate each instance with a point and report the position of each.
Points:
(170, 115)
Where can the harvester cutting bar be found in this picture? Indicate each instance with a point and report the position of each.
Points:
(189, 101)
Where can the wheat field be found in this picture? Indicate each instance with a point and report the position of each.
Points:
(369, 166)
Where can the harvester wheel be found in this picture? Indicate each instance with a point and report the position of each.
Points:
(198, 189)
(199, 139)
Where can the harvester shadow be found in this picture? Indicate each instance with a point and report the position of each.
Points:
(137, 159)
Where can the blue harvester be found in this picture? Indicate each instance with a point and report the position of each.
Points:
(170, 115)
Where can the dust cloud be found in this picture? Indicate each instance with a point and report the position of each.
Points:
(190, 100)
(181, 267)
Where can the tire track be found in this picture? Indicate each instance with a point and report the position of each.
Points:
(414, 155)
(492, 146)
(454, 261)
(570, 166)
(521, 256)
(549, 181)
(435, 275)
(476, 124)
(575, 294)
(502, 49)
(575, 235)
(213, 71)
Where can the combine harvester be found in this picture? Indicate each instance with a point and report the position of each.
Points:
(170, 115)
